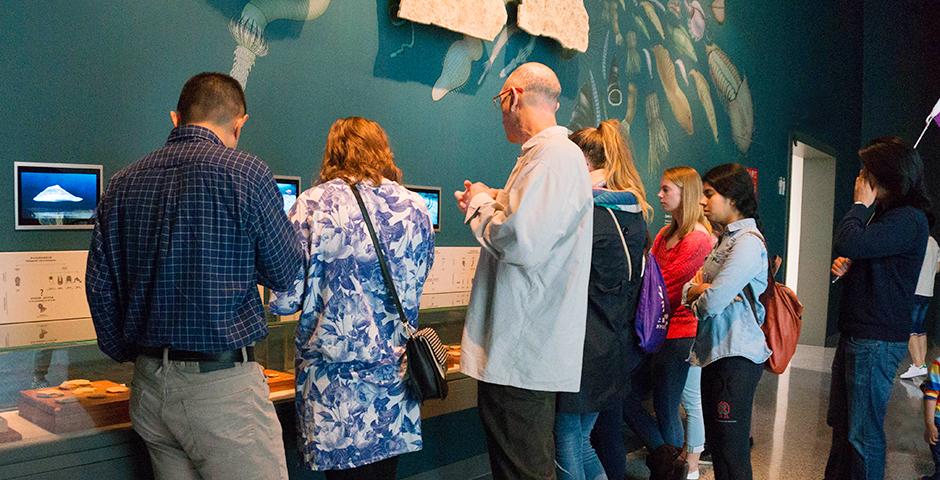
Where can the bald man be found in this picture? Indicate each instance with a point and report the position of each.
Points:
(524, 333)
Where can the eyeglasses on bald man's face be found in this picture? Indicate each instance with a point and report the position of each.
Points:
(498, 99)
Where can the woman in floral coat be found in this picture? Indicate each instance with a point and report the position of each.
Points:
(355, 416)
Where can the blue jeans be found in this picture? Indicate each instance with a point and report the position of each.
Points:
(692, 402)
(669, 370)
(575, 458)
(862, 377)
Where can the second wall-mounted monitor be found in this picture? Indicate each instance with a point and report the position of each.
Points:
(56, 195)
(290, 188)
(432, 198)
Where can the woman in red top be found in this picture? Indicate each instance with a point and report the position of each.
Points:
(680, 249)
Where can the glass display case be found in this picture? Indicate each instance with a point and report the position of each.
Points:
(72, 388)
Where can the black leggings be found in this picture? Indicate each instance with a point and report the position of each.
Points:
(382, 470)
(728, 387)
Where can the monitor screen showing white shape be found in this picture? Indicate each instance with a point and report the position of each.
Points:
(290, 188)
(432, 198)
(56, 195)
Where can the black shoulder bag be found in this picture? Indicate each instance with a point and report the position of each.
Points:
(425, 355)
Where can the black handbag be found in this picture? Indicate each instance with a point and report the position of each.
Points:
(425, 355)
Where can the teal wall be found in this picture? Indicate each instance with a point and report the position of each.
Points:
(92, 82)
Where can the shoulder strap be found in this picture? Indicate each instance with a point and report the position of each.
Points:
(748, 290)
(383, 264)
(626, 251)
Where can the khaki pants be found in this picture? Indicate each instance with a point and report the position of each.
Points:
(214, 425)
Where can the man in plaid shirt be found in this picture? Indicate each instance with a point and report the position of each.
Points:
(182, 237)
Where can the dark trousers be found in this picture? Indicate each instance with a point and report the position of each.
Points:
(728, 387)
(935, 453)
(608, 442)
(519, 426)
(665, 374)
(382, 470)
(862, 378)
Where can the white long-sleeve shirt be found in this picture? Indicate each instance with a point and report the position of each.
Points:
(526, 319)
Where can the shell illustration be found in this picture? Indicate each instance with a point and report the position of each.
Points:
(457, 63)
(705, 96)
(633, 55)
(641, 26)
(676, 97)
(654, 18)
(718, 10)
(736, 94)
(614, 95)
(683, 43)
(696, 20)
(659, 137)
(631, 104)
(586, 112)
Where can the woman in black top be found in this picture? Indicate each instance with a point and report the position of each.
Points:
(611, 351)
(880, 245)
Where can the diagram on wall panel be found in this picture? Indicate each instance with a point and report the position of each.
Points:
(248, 29)
(42, 286)
(451, 277)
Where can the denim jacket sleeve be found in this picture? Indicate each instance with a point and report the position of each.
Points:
(745, 261)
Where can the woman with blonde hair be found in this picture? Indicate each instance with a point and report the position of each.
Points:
(611, 349)
(355, 416)
(680, 249)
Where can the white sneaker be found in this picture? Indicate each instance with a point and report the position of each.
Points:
(692, 475)
(914, 371)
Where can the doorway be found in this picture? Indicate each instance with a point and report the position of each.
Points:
(809, 235)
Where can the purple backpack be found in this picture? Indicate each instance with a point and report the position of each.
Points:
(652, 307)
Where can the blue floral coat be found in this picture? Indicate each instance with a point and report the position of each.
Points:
(352, 406)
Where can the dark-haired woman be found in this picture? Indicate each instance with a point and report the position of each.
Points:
(881, 243)
(730, 345)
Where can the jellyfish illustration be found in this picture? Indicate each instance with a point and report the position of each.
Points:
(248, 30)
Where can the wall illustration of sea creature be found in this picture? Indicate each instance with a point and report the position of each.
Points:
(674, 95)
(659, 137)
(614, 95)
(683, 43)
(718, 10)
(248, 30)
(631, 104)
(521, 56)
(654, 18)
(457, 64)
(633, 55)
(641, 26)
(705, 96)
(674, 8)
(587, 110)
(696, 20)
(613, 16)
(681, 66)
(496, 46)
(649, 62)
(736, 94)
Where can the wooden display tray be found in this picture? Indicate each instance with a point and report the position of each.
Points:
(282, 381)
(80, 415)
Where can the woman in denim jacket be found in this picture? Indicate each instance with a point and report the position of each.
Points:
(730, 345)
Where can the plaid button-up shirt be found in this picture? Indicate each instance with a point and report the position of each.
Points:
(182, 238)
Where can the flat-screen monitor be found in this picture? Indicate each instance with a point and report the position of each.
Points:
(432, 198)
(56, 195)
(290, 188)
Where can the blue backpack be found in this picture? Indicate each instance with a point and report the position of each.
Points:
(652, 307)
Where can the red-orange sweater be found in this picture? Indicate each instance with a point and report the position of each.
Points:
(678, 265)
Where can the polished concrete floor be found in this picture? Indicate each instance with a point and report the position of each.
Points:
(791, 438)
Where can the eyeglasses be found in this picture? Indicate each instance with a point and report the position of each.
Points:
(498, 99)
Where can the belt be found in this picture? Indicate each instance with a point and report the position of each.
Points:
(207, 361)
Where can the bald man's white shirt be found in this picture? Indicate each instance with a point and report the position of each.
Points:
(528, 307)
